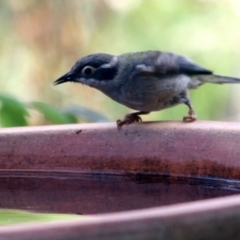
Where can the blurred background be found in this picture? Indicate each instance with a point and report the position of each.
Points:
(41, 40)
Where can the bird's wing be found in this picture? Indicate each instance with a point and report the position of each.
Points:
(164, 63)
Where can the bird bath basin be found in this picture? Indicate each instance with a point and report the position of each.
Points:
(103, 192)
(165, 180)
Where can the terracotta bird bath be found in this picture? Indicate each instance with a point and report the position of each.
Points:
(158, 180)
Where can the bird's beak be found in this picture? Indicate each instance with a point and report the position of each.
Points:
(68, 77)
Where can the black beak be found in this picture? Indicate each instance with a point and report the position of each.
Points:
(68, 77)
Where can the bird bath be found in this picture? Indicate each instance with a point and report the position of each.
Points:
(160, 180)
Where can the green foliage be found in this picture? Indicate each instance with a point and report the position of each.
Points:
(86, 114)
(12, 112)
(15, 216)
(54, 115)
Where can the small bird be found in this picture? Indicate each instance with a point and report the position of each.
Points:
(144, 81)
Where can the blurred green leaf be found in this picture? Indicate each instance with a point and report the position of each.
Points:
(86, 113)
(54, 115)
(12, 112)
(15, 216)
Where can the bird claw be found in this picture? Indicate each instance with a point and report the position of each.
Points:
(128, 119)
(191, 117)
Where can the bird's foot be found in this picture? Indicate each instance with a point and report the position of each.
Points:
(191, 117)
(128, 119)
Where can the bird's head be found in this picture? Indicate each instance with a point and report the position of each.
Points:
(94, 70)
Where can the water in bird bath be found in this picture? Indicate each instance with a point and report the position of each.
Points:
(100, 192)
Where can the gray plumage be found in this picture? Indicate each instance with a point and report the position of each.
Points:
(144, 81)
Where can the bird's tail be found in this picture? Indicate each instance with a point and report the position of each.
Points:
(211, 78)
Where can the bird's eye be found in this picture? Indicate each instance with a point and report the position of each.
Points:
(88, 70)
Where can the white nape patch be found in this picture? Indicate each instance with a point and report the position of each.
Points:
(144, 68)
(111, 64)
(166, 60)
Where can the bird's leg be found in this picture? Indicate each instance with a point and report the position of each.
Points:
(191, 117)
(130, 118)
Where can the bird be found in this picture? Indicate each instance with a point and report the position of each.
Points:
(144, 81)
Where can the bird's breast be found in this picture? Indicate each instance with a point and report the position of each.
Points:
(149, 94)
